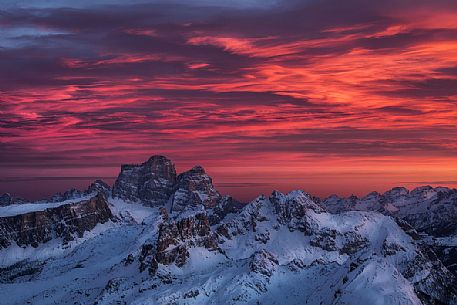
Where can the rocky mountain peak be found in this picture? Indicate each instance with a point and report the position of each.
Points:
(400, 190)
(160, 165)
(155, 183)
(395, 193)
(353, 198)
(6, 199)
(151, 182)
(195, 188)
(99, 186)
(195, 173)
(277, 194)
(372, 195)
(199, 247)
(294, 201)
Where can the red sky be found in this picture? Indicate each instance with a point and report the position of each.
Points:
(326, 96)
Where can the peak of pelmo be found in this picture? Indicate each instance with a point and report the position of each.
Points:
(158, 158)
(155, 183)
(154, 159)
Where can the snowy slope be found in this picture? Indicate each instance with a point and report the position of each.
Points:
(80, 270)
(431, 211)
(428, 209)
(282, 249)
(161, 238)
(17, 209)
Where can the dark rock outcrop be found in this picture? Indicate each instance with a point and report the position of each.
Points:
(439, 286)
(194, 188)
(174, 240)
(65, 221)
(151, 182)
(7, 199)
(263, 262)
(98, 186)
(154, 183)
(293, 205)
(70, 194)
(227, 205)
(21, 271)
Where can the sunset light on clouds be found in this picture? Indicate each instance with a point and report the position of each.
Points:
(327, 96)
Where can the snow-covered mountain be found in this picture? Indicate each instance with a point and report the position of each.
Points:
(162, 238)
(7, 199)
(431, 211)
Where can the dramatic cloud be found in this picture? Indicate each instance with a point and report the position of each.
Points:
(320, 94)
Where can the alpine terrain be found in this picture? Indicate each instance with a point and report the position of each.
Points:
(158, 237)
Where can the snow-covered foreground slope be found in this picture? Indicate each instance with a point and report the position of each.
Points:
(77, 272)
(284, 249)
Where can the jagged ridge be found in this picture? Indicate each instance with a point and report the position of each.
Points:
(176, 240)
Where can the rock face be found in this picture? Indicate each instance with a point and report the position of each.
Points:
(98, 186)
(226, 206)
(151, 182)
(290, 239)
(263, 262)
(7, 199)
(65, 221)
(70, 194)
(174, 240)
(154, 183)
(188, 244)
(293, 206)
(194, 188)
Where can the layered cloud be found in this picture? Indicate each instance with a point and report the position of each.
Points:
(311, 93)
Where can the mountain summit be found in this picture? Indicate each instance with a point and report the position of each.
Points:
(158, 237)
(151, 182)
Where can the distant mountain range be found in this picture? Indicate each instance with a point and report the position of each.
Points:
(157, 237)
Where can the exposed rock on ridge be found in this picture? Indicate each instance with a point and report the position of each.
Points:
(98, 186)
(174, 240)
(154, 183)
(7, 199)
(151, 182)
(430, 211)
(292, 232)
(190, 245)
(194, 187)
(65, 221)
